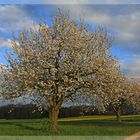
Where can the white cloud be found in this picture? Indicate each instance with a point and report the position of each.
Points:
(132, 68)
(126, 24)
(13, 18)
(2, 29)
(5, 43)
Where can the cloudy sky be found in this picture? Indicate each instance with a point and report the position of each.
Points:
(120, 17)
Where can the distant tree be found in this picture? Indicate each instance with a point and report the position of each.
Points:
(120, 96)
(134, 99)
(115, 89)
(57, 63)
(121, 91)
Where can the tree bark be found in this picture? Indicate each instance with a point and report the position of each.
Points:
(53, 114)
(118, 114)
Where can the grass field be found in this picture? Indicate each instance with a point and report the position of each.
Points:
(84, 126)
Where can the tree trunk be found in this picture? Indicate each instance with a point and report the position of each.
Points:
(53, 114)
(118, 114)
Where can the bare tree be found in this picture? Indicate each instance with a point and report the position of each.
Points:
(57, 63)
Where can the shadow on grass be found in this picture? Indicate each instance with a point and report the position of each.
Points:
(22, 125)
(31, 125)
(101, 123)
(16, 123)
(27, 127)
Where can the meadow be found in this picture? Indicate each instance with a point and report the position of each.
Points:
(75, 126)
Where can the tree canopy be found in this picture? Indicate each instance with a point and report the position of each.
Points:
(59, 62)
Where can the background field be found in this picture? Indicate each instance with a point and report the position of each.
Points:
(82, 126)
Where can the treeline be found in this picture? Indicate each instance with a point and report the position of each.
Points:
(30, 111)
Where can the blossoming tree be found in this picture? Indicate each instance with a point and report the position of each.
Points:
(56, 63)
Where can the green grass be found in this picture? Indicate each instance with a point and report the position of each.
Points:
(76, 126)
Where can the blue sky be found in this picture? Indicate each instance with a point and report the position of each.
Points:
(69, 2)
(122, 21)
